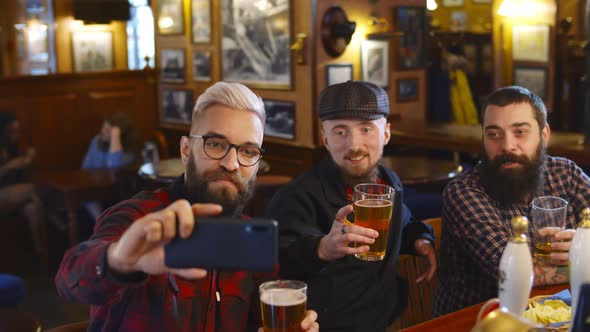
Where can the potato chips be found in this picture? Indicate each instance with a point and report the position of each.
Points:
(550, 311)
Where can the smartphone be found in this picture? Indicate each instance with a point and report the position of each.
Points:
(227, 244)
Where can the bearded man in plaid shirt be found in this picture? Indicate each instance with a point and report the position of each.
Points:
(479, 205)
(120, 271)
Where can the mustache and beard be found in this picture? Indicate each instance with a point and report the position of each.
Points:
(197, 189)
(352, 178)
(515, 185)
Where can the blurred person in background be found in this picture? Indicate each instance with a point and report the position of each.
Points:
(17, 194)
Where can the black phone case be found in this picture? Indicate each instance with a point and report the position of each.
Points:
(228, 244)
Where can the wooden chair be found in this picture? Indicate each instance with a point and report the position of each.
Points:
(420, 295)
(436, 224)
(162, 144)
(72, 327)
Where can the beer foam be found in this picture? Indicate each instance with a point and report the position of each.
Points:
(373, 202)
(283, 297)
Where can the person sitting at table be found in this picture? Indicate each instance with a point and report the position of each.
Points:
(114, 145)
(351, 294)
(120, 270)
(479, 204)
(16, 192)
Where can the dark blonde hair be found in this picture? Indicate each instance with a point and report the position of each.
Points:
(122, 120)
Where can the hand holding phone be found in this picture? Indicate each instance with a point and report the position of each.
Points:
(226, 243)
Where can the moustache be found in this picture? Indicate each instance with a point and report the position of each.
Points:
(510, 158)
(224, 175)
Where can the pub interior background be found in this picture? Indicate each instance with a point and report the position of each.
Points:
(66, 64)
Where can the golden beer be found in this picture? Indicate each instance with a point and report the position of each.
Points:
(374, 214)
(283, 309)
(542, 251)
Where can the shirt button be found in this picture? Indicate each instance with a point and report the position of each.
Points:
(98, 271)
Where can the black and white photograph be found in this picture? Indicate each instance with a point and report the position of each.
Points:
(170, 17)
(202, 66)
(338, 73)
(531, 42)
(92, 50)
(172, 66)
(532, 78)
(375, 62)
(201, 21)
(280, 119)
(410, 51)
(407, 89)
(255, 43)
(177, 105)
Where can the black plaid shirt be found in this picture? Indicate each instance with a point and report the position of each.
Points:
(475, 231)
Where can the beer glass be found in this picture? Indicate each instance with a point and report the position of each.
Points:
(548, 214)
(373, 204)
(283, 304)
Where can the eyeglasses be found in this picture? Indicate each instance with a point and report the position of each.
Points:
(217, 148)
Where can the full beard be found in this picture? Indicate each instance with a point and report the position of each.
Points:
(197, 189)
(368, 176)
(512, 186)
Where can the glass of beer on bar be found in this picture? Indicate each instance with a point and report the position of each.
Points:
(373, 204)
(548, 214)
(283, 304)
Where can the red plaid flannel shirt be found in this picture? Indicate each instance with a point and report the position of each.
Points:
(223, 301)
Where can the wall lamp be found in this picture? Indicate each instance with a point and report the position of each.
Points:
(336, 31)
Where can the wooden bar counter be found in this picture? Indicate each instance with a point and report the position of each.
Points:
(464, 319)
(463, 138)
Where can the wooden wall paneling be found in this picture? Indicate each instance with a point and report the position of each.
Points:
(56, 130)
(61, 113)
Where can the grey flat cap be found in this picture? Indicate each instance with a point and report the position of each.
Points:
(353, 99)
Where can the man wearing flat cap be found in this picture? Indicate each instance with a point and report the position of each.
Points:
(349, 294)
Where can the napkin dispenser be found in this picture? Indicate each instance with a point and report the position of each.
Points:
(581, 318)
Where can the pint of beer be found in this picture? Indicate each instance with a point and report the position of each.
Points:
(283, 304)
(373, 204)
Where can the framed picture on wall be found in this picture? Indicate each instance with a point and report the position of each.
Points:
(170, 19)
(176, 106)
(338, 73)
(201, 21)
(406, 89)
(452, 3)
(530, 43)
(92, 50)
(280, 119)
(375, 62)
(532, 78)
(410, 49)
(255, 43)
(202, 66)
(482, 1)
(38, 45)
(172, 66)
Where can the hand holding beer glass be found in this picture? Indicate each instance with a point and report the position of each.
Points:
(373, 205)
(283, 304)
(548, 214)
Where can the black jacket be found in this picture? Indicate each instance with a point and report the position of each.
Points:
(347, 293)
